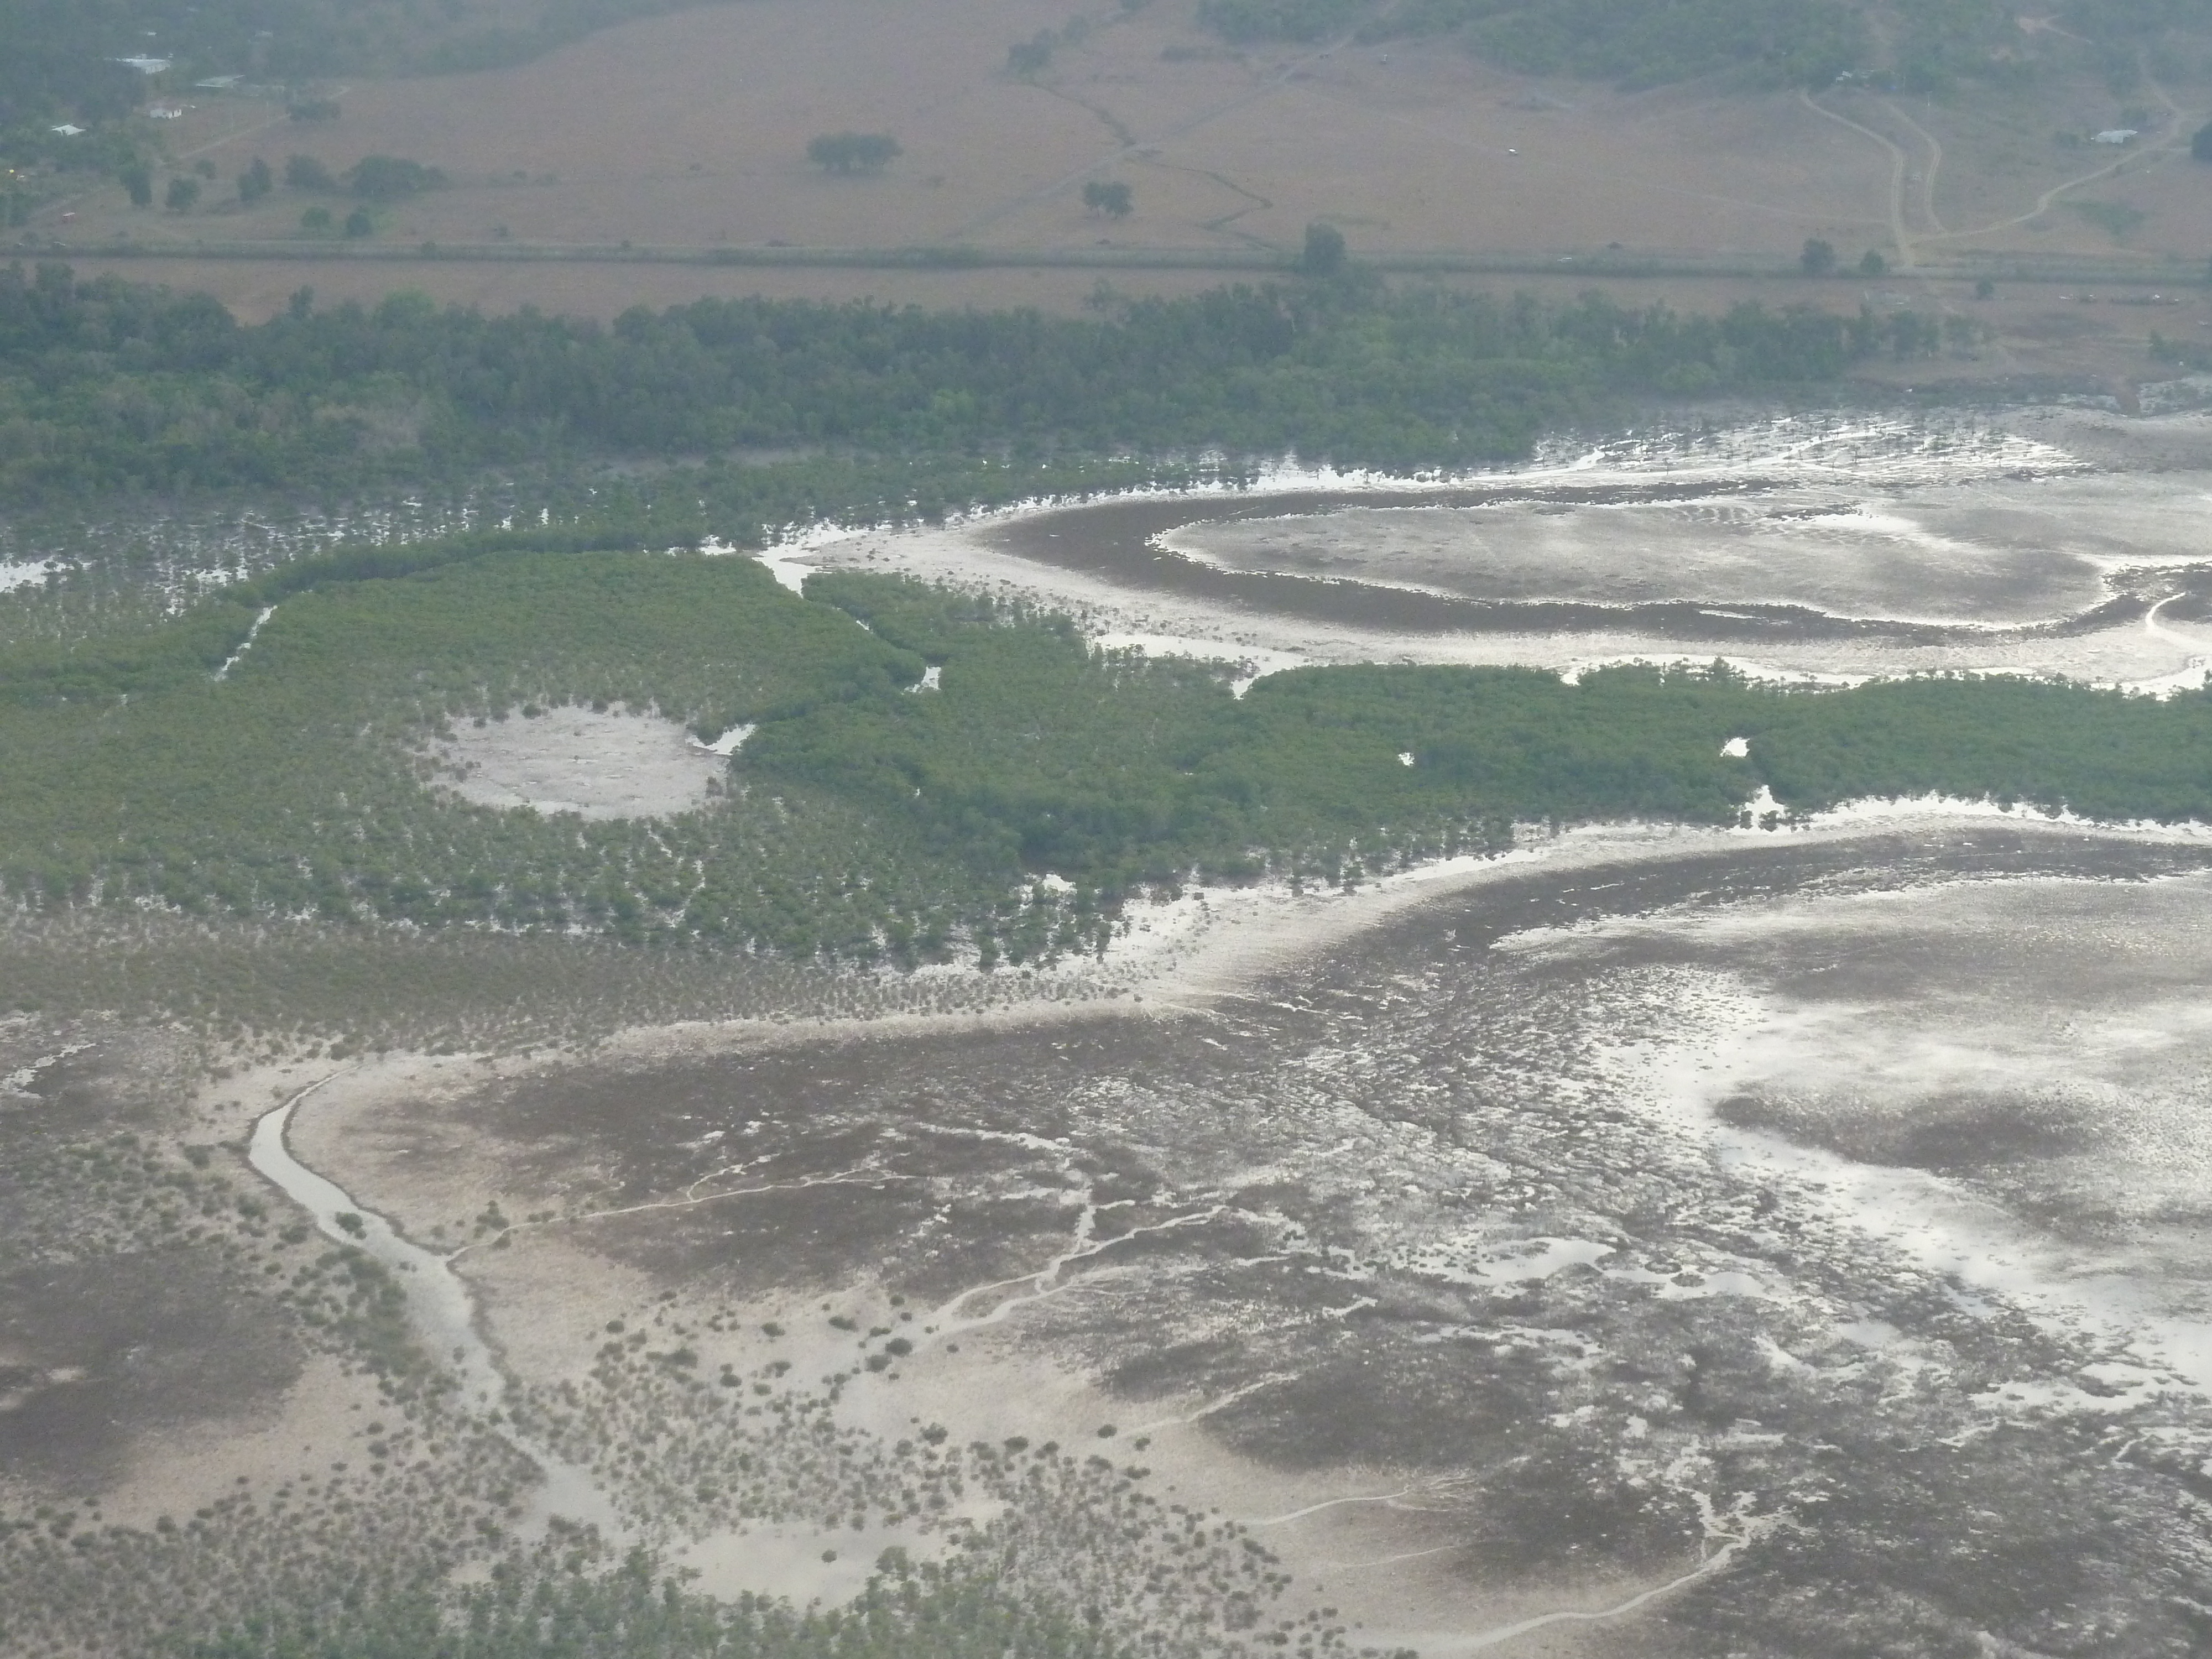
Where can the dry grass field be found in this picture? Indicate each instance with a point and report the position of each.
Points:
(690, 131)
(686, 135)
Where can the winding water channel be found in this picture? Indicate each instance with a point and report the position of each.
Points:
(444, 1315)
(774, 1560)
(2043, 968)
(442, 1311)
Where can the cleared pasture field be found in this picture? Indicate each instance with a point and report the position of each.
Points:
(685, 136)
(691, 130)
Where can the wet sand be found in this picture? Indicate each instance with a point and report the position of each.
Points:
(1682, 1162)
(1824, 547)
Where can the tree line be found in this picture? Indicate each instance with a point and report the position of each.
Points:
(107, 385)
(537, 1610)
(1924, 46)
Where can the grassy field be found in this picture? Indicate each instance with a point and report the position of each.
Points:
(687, 133)
(691, 129)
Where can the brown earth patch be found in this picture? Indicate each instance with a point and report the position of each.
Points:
(94, 1353)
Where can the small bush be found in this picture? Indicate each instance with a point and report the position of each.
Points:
(854, 152)
(305, 173)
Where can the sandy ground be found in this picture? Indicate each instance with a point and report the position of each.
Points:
(22, 573)
(1885, 520)
(173, 1472)
(595, 763)
(424, 1140)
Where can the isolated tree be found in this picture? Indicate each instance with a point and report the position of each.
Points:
(305, 173)
(853, 152)
(315, 219)
(1818, 258)
(314, 109)
(358, 223)
(1030, 57)
(1985, 289)
(1873, 264)
(1108, 196)
(1324, 254)
(138, 179)
(183, 194)
(255, 182)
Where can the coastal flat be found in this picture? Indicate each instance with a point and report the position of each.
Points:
(1467, 1263)
(1651, 1238)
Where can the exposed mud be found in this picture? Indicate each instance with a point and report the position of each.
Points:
(1793, 547)
(94, 1354)
(1727, 1227)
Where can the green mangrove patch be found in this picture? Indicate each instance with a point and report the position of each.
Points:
(880, 813)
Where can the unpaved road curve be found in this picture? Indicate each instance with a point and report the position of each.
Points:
(1448, 1647)
(1898, 233)
(1934, 166)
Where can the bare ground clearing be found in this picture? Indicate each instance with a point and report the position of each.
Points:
(597, 763)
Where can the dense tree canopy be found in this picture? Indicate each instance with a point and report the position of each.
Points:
(925, 1613)
(853, 152)
(389, 177)
(107, 385)
(1919, 46)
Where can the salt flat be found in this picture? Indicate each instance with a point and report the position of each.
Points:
(596, 763)
(1826, 547)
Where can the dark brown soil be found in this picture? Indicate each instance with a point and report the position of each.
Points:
(101, 1351)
